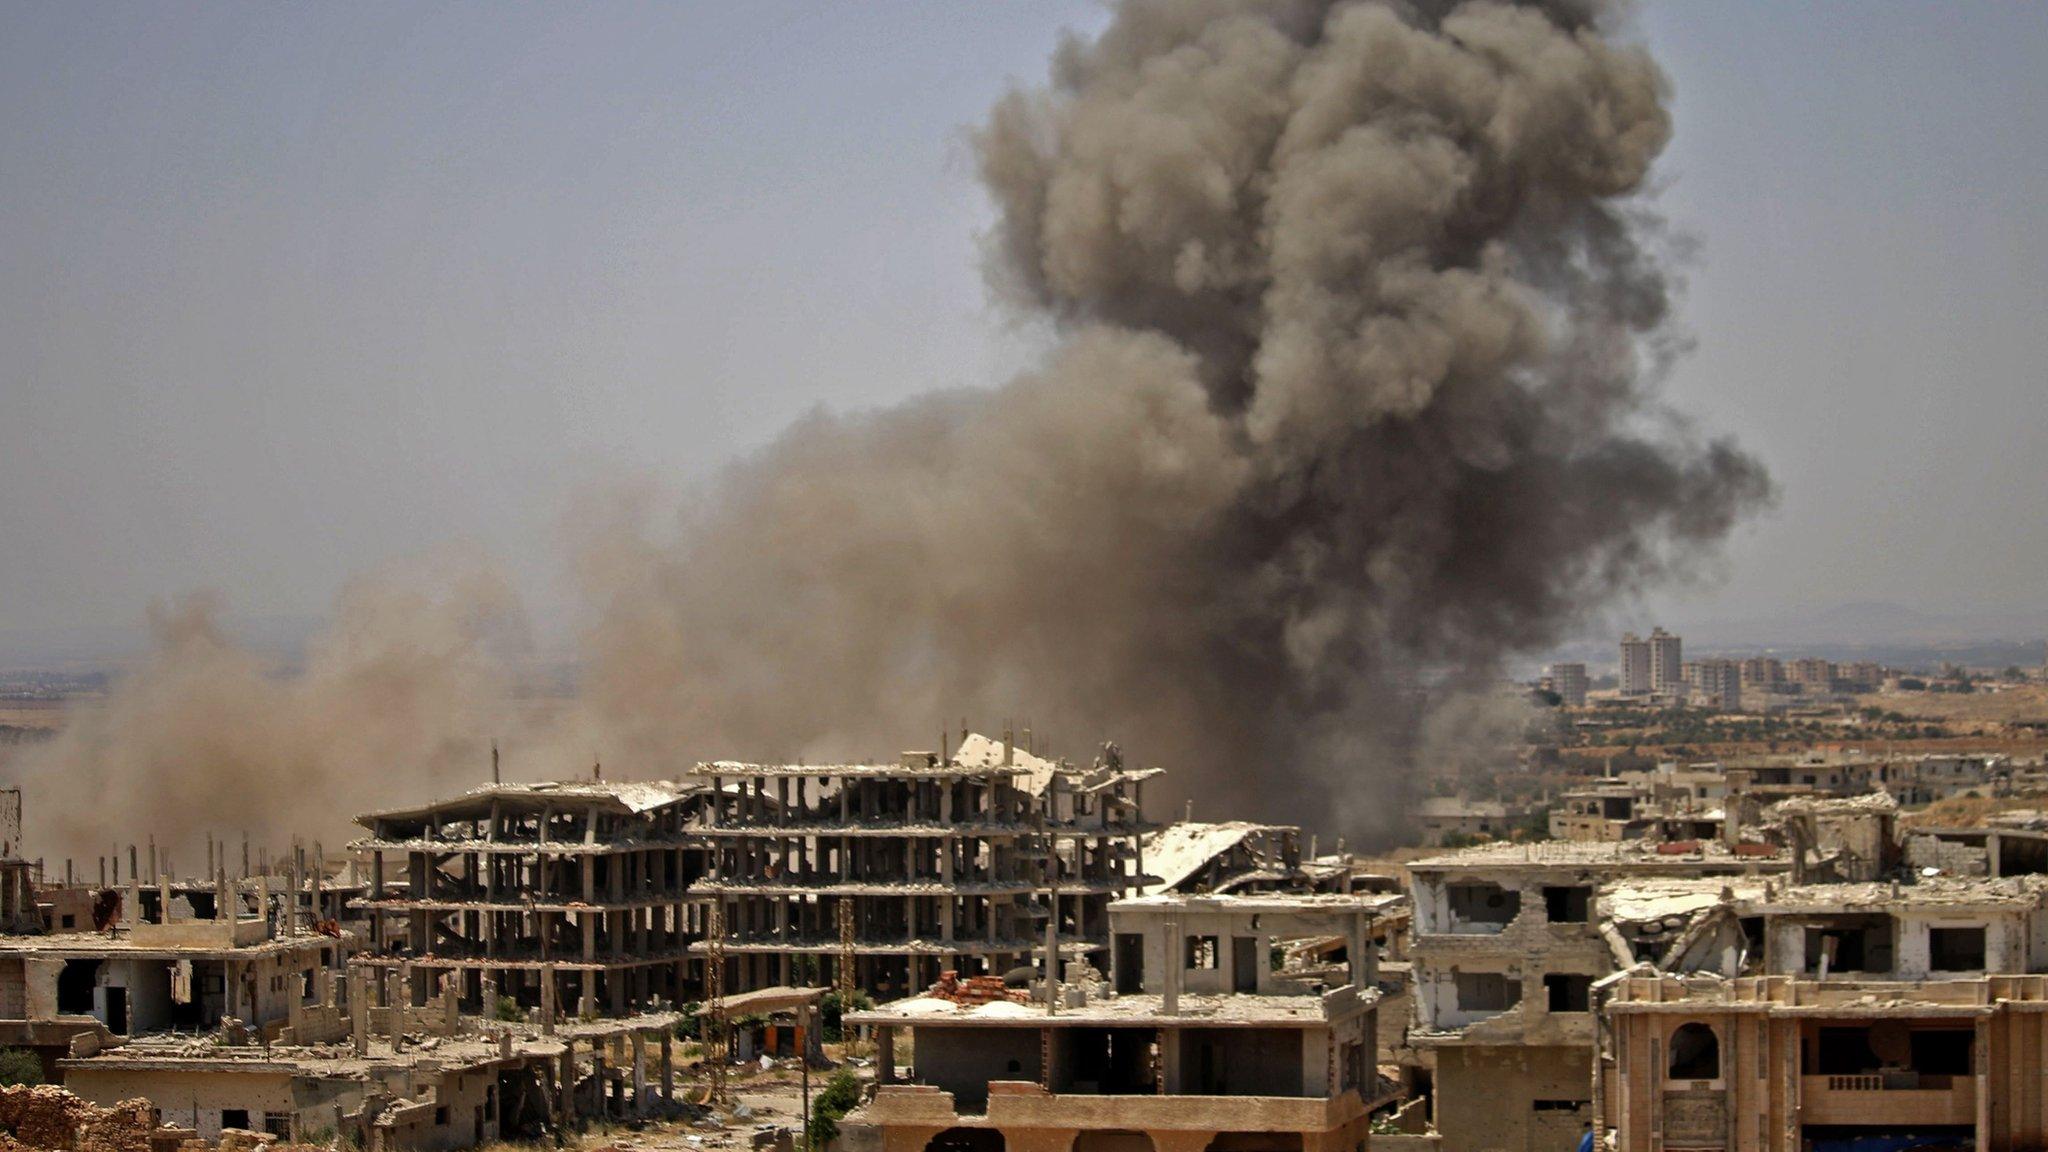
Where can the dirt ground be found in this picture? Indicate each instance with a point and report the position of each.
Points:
(764, 1102)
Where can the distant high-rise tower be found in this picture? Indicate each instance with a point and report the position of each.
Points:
(1667, 666)
(1569, 682)
(1635, 665)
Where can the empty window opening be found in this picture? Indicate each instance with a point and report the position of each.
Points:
(1616, 807)
(1486, 991)
(1567, 905)
(1695, 1053)
(74, 987)
(1568, 993)
(2021, 855)
(1201, 952)
(1904, 1056)
(1483, 904)
(1849, 944)
(1955, 949)
(1130, 963)
(235, 1118)
(1558, 1105)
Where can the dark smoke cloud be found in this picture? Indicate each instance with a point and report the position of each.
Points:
(1362, 318)
(1363, 325)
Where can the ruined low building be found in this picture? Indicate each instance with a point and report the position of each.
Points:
(464, 1087)
(1836, 1017)
(1508, 943)
(1193, 1043)
(935, 862)
(559, 898)
(1442, 820)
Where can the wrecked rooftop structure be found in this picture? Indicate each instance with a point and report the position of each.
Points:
(1507, 946)
(561, 898)
(1193, 1041)
(1236, 856)
(899, 871)
(1834, 1016)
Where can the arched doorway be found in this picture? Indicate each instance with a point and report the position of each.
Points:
(1695, 1053)
(966, 1140)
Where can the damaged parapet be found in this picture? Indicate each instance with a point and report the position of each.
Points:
(1508, 943)
(1906, 1011)
(935, 862)
(1193, 1040)
(541, 900)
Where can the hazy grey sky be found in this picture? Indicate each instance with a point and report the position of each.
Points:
(286, 292)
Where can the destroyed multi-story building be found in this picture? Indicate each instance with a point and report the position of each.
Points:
(1193, 1041)
(1835, 1017)
(935, 862)
(561, 898)
(1506, 950)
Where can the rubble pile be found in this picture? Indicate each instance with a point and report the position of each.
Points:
(976, 990)
(47, 1118)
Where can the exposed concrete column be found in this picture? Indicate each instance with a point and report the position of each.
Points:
(547, 999)
(640, 1107)
(359, 1010)
(668, 1066)
(586, 995)
(1169, 1061)
(568, 1102)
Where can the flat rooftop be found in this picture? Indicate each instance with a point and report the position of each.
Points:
(1580, 854)
(1237, 1010)
(1273, 902)
(160, 1052)
(620, 795)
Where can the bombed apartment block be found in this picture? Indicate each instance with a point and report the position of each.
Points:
(1237, 856)
(1507, 946)
(1834, 1016)
(551, 899)
(900, 871)
(160, 966)
(1193, 1042)
(395, 1079)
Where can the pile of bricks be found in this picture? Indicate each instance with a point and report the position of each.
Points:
(976, 989)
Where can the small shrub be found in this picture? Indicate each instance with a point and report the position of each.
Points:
(841, 1095)
(19, 1066)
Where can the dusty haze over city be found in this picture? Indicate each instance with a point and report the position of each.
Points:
(425, 349)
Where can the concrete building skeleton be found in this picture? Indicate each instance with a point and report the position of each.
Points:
(941, 860)
(567, 897)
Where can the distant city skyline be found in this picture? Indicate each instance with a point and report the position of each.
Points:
(290, 294)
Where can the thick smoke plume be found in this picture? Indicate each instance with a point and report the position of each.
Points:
(1362, 318)
(398, 698)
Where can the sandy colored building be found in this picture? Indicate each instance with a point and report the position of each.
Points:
(1209, 1049)
(1835, 1017)
(1507, 946)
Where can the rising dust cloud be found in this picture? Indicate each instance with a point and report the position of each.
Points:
(1362, 321)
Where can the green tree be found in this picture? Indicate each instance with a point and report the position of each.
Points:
(19, 1066)
(841, 1095)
